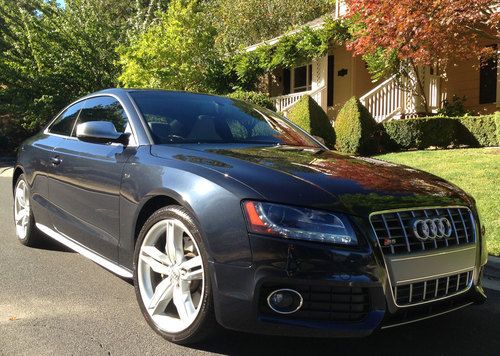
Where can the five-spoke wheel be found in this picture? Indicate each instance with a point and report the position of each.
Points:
(26, 230)
(171, 276)
(21, 209)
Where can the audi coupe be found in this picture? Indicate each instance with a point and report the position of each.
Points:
(225, 213)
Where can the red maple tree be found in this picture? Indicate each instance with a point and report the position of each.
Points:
(425, 32)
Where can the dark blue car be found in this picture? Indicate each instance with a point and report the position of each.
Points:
(224, 213)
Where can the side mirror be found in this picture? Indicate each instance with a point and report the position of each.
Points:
(100, 132)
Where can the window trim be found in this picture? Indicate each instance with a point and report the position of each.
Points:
(309, 72)
(135, 142)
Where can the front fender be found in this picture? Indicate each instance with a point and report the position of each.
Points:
(214, 200)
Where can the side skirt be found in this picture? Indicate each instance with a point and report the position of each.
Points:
(68, 242)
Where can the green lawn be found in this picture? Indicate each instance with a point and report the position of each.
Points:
(477, 171)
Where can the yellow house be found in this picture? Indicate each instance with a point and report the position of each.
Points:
(338, 75)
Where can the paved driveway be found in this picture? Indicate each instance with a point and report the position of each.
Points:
(55, 302)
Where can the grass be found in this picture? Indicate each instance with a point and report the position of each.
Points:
(477, 171)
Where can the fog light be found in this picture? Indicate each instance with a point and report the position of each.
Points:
(285, 301)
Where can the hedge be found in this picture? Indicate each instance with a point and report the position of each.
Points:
(421, 133)
(307, 114)
(355, 129)
(253, 97)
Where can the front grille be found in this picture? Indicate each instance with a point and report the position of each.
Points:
(395, 234)
(325, 303)
(432, 289)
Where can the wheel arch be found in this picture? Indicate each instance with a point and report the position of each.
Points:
(17, 173)
(156, 200)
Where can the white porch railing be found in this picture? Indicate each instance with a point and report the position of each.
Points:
(384, 101)
(284, 103)
(390, 100)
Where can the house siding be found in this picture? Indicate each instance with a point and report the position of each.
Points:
(462, 79)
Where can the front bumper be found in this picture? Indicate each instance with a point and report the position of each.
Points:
(347, 292)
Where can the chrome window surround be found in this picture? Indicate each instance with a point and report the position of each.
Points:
(127, 113)
(474, 272)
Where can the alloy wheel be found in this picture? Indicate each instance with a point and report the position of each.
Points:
(21, 209)
(171, 277)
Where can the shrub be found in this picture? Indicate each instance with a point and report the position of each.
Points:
(11, 135)
(307, 114)
(479, 131)
(455, 107)
(355, 129)
(419, 133)
(497, 122)
(253, 97)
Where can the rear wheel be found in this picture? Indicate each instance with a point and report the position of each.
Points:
(26, 230)
(171, 277)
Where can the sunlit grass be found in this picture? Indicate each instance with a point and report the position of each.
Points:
(477, 171)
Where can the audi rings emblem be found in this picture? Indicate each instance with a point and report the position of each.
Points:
(432, 228)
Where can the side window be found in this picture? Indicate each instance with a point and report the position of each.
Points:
(65, 122)
(104, 108)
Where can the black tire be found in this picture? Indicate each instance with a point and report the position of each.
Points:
(204, 324)
(34, 237)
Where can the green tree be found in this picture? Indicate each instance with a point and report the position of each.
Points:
(177, 52)
(52, 55)
(246, 22)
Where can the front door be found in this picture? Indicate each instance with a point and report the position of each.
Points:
(85, 184)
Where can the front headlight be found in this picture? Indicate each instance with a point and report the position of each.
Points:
(298, 223)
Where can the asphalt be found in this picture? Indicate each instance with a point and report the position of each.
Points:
(55, 302)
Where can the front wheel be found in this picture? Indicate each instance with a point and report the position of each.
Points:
(171, 277)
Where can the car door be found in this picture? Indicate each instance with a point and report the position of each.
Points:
(86, 179)
(38, 160)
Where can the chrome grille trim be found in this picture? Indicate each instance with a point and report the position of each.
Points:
(395, 234)
(447, 211)
(409, 294)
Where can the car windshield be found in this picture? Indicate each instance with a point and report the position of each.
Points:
(178, 117)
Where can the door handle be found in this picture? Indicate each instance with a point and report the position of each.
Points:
(56, 161)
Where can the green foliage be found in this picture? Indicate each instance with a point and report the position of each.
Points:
(382, 64)
(52, 55)
(477, 131)
(246, 22)
(453, 108)
(355, 129)
(307, 114)
(178, 52)
(253, 97)
(293, 49)
(420, 133)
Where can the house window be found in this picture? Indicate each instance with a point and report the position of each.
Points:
(488, 81)
(302, 78)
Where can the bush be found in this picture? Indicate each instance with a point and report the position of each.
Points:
(480, 131)
(11, 135)
(420, 133)
(477, 131)
(355, 129)
(253, 97)
(453, 108)
(307, 114)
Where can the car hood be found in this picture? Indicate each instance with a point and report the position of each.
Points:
(321, 178)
